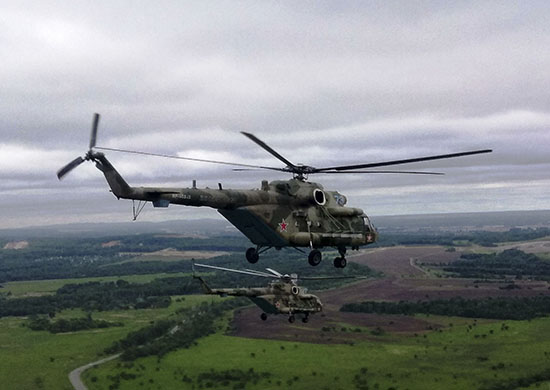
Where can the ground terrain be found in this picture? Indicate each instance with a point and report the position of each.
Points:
(403, 280)
(41, 360)
(335, 350)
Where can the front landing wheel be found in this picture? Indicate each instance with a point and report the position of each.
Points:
(315, 257)
(340, 262)
(263, 316)
(252, 255)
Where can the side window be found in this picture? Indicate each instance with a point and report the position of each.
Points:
(366, 223)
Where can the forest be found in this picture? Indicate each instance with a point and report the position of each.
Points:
(68, 325)
(80, 258)
(519, 308)
(479, 237)
(61, 258)
(181, 331)
(58, 258)
(99, 296)
(508, 263)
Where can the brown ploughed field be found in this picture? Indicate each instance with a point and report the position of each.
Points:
(403, 280)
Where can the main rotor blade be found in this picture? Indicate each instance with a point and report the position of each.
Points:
(69, 167)
(190, 159)
(397, 162)
(259, 272)
(405, 172)
(268, 148)
(233, 270)
(277, 274)
(93, 135)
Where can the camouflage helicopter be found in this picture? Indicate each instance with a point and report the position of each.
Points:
(283, 213)
(281, 296)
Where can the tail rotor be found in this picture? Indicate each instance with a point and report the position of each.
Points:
(93, 135)
(88, 156)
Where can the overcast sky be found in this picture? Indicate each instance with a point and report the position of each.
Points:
(323, 83)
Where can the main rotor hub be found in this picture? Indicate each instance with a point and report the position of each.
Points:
(300, 171)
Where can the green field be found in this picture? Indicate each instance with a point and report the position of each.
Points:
(457, 357)
(41, 360)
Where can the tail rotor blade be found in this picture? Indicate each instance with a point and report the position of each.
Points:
(93, 135)
(69, 167)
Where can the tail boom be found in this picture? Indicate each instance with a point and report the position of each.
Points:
(118, 185)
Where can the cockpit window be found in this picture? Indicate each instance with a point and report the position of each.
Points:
(367, 224)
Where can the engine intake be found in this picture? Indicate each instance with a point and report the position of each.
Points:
(319, 197)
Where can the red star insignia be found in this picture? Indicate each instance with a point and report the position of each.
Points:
(283, 225)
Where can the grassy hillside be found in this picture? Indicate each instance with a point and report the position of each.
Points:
(470, 356)
(40, 360)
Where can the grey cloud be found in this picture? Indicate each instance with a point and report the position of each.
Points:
(324, 83)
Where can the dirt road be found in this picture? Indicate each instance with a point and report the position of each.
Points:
(74, 376)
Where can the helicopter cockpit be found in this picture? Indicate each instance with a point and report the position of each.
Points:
(368, 228)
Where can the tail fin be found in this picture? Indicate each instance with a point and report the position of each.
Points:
(118, 185)
(205, 286)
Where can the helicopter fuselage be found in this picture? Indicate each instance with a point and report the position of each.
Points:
(276, 216)
(276, 298)
(281, 213)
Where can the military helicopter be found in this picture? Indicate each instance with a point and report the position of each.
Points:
(283, 213)
(281, 296)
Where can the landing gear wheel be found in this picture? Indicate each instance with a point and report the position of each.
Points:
(340, 262)
(315, 257)
(252, 255)
(263, 316)
(291, 319)
(305, 320)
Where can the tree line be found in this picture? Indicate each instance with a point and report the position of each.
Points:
(479, 237)
(511, 262)
(100, 296)
(62, 258)
(493, 308)
(167, 335)
(68, 324)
